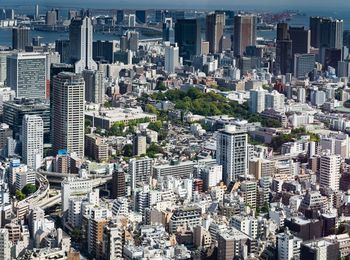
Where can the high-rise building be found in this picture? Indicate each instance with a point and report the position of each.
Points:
(232, 153)
(215, 31)
(94, 86)
(282, 31)
(257, 100)
(131, 20)
(326, 32)
(244, 33)
(104, 51)
(168, 31)
(80, 40)
(5, 244)
(139, 145)
(275, 101)
(51, 17)
(68, 113)
(26, 74)
(32, 140)
(15, 110)
(303, 64)
(62, 47)
(171, 58)
(330, 171)
(300, 38)
(118, 184)
(141, 16)
(20, 38)
(36, 14)
(3, 66)
(331, 57)
(188, 38)
(140, 171)
(120, 16)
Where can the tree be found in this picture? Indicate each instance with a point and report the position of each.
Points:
(19, 195)
(29, 189)
(161, 86)
(127, 150)
(76, 234)
(155, 126)
(151, 109)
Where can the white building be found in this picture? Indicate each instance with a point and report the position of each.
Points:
(24, 178)
(257, 100)
(232, 153)
(33, 140)
(330, 171)
(211, 175)
(274, 100)
(5, 244)
(288, 246)
(171, 57)
(140, 171)
(247, 224)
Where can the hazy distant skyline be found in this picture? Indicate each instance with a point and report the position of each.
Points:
(217, 4)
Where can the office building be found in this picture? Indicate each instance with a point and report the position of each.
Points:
(80, 42)
(14, 111)
(51, 17)
(104, 51)
(300, 38)
(120, 16)
(141, 16)
(26, 74)
(246, 224)
(96, 148)
(68, 113)
(5, 244)
(248, 191)
(317, 97)
(284, 57)
(257, 100)
(211, 175)
(5, 132)
(171, 58)
(244, 33)
(303, 65)
(215, 31)
(62, 47)
(231, 153)
(24, 178)
(331, 57)
(288, 246)
(140, 172)
(20, 38)
(282, 31)
(330, 171)
(275, 101)
(118, 184)
(319, 249)
(3, 66)
(94, 86)
(168, 31)
(188, 38)
(32, 141)
(326, 32)
(139, 145)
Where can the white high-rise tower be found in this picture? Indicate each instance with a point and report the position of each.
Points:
(80, 44)
(171, 57)
(33, 138)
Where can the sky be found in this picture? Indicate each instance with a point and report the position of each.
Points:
(210, 4)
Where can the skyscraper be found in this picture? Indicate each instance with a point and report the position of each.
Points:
(188, 38)
(284, 57)
(51, 17)
(33, 139)
(171, 58)
(303, 64)
(26, 74)
(300, 38)
(94, 86)
(20, 38)
(140, 16)
(282, 31)
(232, 153)
(244, 33)
(80, 40)
(68, 113)
(326, 32)
(215, 31)
(330, 171)
(257, 100)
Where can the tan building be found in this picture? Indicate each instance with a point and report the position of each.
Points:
(96, 148)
